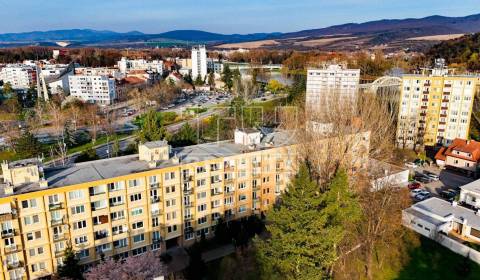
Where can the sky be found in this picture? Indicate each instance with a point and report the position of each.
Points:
(221, 16)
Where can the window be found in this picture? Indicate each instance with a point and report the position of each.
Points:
(169, 175)
(201, 182)
(138, 238)
(172, 228)
(137, 225)
(83, 254)
(37, 266)
(139, 251)
(242, 209)
(242, 185)
(171, 215)
(117, 215)
(242, 197)
(81, 240)
(114, 201)
(120, 243)
(170, 189)
(119, 229)
(135, 197)
(76, 194)
(34, 235)
(202, 220)
(31, 220)
(35, 251)
(189, 236)
(80, 224)
(116, 186)
(202, 207)
(170, 202)
(137, 211)
(155, 222)
(134, 183)
(97, 205)
(103, 248)
(98, 220)
(78, 209)
(201, 195)
(202, 231)
(31, 203)
(201, 169)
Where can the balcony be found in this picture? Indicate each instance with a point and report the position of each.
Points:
(156, 213)
(445, 100)
(100, 235)
(256, 164)
(14, 265)
(59, 254)
(60, 236)
(188, 191)
(56, 222)
(188, 218)
(448, 85)
(229, 191)
(188, 230)
(55, 206)
(424, 107)
(215, 192)
(12, 248)
(118, 203)
(94, 193)
(425, 99)
(228, 168)
(8, 216)
(188, 205)
(157, 240)
(444, 108)
(443, 115)
(8, 233)
(256, 175)
(155, 199)
(154, 186)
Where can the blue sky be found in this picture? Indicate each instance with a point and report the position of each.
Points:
(223, 16)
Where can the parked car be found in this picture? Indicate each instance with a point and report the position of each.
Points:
(448, 195)
(411, 165)
(414, 192)
(423, 179)
(422, 196)
(414, 185)
(431, 175)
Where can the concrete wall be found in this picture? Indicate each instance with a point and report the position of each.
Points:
(459, 248)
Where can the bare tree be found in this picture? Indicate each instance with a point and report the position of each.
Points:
(145, 266)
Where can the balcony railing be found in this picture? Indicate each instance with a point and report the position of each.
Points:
(101, 235)
(60, 236)
(188, 218)
(12, 248)
(94, 193)
(187, 178)
(188, 204)
(154, 185)
(56, 222)
(155, 199)
(59, 253)
(156, 213)
(188, 191)
(14, 265)
(55, 206)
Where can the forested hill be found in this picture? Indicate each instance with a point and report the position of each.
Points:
(464, 50)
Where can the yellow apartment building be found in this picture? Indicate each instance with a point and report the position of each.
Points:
(124, 206)
(435, 107)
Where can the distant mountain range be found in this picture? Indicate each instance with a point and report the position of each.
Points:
(374, 32)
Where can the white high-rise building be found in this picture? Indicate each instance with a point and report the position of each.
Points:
(199, 62)
(20, 76)
(98, 89)
(334, 83)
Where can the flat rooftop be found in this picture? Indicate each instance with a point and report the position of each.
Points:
(444, 209)
(119, 166)
(473, 186)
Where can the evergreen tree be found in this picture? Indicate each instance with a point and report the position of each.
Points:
(186, 136)
(227, 77)
(69, 135)
(152, 128)
(70, 268)
(199, 81)
(27, 146)
(305, 229)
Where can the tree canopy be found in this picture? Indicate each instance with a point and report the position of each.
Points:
(152, 128)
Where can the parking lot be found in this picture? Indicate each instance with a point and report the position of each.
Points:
(448, 180)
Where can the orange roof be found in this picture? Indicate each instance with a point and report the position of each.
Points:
(134, 80)
(132, 72)
(470, 147)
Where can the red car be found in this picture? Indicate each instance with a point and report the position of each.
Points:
(414, 185)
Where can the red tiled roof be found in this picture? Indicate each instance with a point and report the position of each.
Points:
(134, 80)
(471, 147)
(132, 72)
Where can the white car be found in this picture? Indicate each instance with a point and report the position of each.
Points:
(432, 176)
(411, 165)
(414, 192)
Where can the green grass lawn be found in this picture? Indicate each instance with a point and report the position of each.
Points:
(433, 261)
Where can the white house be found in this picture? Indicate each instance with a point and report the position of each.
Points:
(20, 76)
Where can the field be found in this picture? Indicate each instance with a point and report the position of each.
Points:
(249, 45)
(436, 37)
(321, 41)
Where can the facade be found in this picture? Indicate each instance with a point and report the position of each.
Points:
(20, 76)
(462, 155)
(214, 66)
(97, 89)
(330, 85)
(435, 107)
(126, 65)
(54, 77)
(199, 62)
(123, 206)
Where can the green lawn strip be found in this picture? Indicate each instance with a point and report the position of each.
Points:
(433, 261)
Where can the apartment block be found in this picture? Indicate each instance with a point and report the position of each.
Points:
(98, 89)
(20, 76)
(124, 206)
(126, 65)
(435, 107)
(334, 84)
(199, 62)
